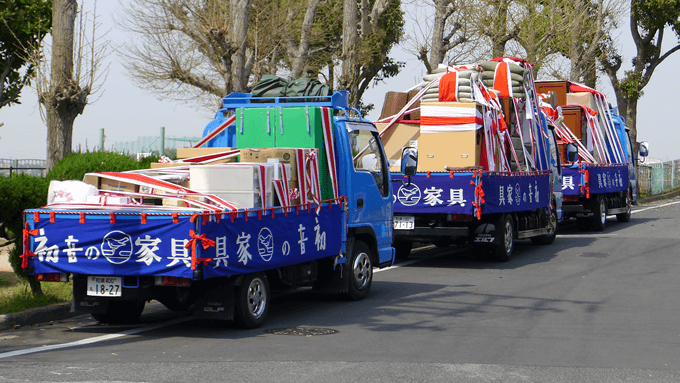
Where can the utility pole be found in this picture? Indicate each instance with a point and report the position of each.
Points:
(162, 143)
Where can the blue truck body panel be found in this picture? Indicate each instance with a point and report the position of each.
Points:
(162, 245)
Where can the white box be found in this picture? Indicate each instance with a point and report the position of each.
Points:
(248, 199)
(230, 177)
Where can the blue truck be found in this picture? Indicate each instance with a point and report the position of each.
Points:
(598, 162)
(489, 172)
(223, 263)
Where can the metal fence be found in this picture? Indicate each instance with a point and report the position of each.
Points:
(659, 177)
(36, 168)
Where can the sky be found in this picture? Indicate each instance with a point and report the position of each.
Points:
(126, 112)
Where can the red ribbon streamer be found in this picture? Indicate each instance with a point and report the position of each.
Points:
(27, 253)
(205, 242)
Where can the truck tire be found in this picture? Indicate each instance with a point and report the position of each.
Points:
(505, 238)
(547, 239)
(625, 217)
(121, 312)
(252, 301)
(360, 271)
(402, 249)
(599, 218)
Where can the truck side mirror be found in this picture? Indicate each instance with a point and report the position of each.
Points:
(572, 153)
(644, 151)
(409, 161)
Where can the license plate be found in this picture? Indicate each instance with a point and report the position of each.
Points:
(404, 222)
(104, 286)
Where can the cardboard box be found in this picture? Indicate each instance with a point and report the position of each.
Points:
(394, 102)
(439, 152)
(285, 156)
(582, 98)
(195, 152)
(443, 147)
(399, 136)
(415, 115)
(106, 184)
(92, 179)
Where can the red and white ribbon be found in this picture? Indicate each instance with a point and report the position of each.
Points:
(300, 155)
(312, 177)
(329, 141)
(215, 132)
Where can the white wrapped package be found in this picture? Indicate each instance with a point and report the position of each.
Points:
(70, 191)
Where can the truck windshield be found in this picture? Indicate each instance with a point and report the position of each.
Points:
(366, 153)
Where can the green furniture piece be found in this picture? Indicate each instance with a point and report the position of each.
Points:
(285, 127)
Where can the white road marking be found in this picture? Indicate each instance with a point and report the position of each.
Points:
(95, 339)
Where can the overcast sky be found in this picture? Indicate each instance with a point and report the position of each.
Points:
(126, 112)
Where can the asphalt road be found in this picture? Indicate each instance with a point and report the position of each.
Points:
(591, 307)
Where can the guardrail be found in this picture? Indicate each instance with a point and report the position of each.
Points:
(659, 178)
(10, 167)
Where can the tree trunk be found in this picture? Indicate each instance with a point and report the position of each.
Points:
(241, 15)
(437, 46)
(60, 114)
(350, 37)
(36, 289)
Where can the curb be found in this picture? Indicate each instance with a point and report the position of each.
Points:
(37, 315)
(660, 197)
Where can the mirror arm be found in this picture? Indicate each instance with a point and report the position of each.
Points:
(402, 181)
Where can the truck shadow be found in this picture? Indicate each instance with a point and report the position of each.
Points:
(391, 307)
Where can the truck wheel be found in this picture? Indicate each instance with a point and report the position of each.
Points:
(402, 249)
(547, 239)
(625, 217)
(599, 214)
(121, 312)
(505, 240)
(252, 301)
(360, 271)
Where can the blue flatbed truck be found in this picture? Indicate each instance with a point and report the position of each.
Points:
(598, 162)
(489, 210)
(487, 205)
(225, 264)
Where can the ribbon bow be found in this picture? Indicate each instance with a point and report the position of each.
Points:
(479, 193)
(27, 252)
(205, 242)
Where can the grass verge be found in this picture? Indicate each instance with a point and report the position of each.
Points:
(15, 294)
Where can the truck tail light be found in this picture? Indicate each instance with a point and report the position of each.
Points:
(172, 281)
(460, 217)
(52, 277)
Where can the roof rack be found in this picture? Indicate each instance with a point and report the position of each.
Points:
(339, 100)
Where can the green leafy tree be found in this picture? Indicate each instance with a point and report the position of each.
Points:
(23, 25)
(649, 20)
(370, 29)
